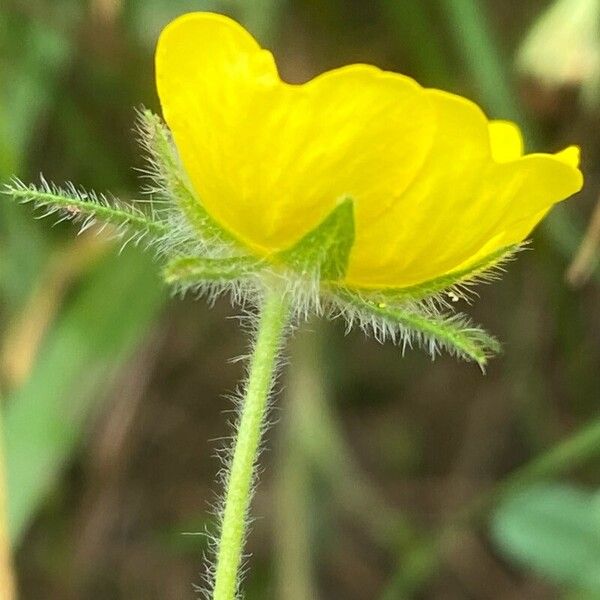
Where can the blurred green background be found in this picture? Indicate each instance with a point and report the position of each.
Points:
(386, 476)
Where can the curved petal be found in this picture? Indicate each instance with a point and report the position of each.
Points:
(569, 156)
(270, 160)
(519, 194)
(476, 194)
(411, 241)
(506, 141)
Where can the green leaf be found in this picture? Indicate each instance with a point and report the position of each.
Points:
(47, 417)
(192, 270)
(409, 323)
(555, 530)
(326, 249)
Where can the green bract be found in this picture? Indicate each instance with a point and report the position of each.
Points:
(325, 250)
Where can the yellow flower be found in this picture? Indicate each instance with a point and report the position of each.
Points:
(436, 186)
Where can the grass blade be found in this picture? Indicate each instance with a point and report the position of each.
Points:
(44, 419)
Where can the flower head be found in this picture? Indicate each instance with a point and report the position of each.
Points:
(359, 193)
(433, 187)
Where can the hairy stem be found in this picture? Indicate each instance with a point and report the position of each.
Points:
(271, 328)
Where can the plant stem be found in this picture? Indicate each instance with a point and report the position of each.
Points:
(295, 494)
(251, 422)
(7, 580)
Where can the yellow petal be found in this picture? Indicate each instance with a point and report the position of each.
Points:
(569, 156)
(270, 160)
(521, 193)
(473, 197)
(506, 141)
(420, 235)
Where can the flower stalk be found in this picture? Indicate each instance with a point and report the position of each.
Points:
(240, 478)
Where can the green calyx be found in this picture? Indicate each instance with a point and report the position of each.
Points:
(87, 208)
(322, 253)
(456, 283)
(169, 180)
(451, 287)
(326, 249)
(416, 323)
(194, 270)
(198, 254)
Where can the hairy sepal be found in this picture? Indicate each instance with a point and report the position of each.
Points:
(194, 270)
(74, 204)
(414, 323)
(324, 252)
(169, 181)
(450, 287)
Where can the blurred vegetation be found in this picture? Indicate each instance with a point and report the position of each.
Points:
(389, 477)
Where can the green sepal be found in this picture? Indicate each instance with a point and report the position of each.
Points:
(170, 179)
(453, 331)
(326, 249)
(193, 270)
(483, 270)
(73, 204)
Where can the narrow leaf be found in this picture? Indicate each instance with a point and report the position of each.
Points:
(47, 417)
(326, 249)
